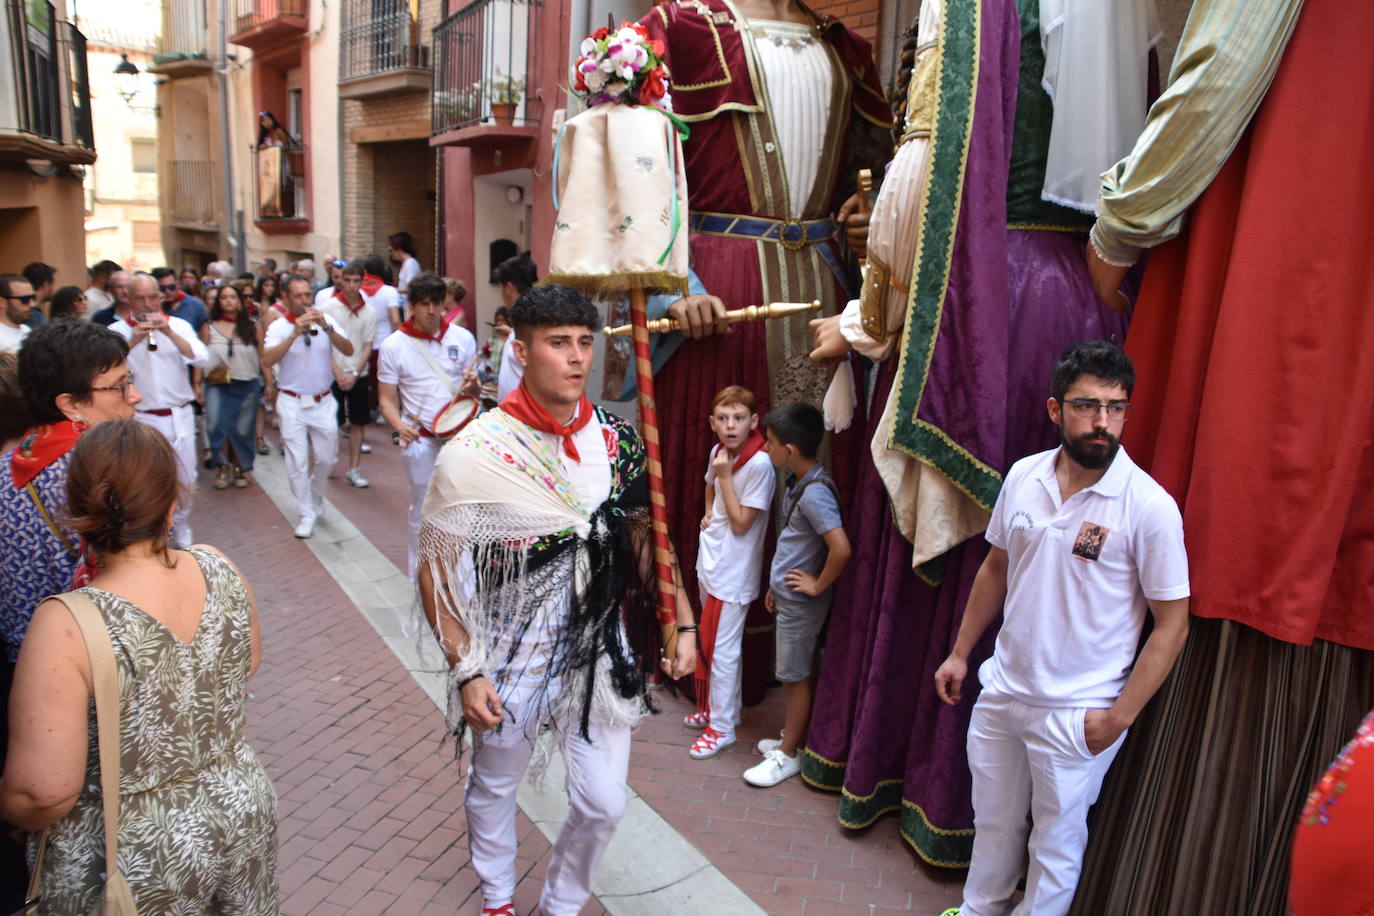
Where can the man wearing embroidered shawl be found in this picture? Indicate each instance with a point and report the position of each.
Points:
(976, 283)
(535, 577)
(784, 107)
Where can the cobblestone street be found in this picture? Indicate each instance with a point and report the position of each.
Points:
(371, 803)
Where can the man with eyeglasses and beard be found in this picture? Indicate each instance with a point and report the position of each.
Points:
(1082, 544)
(19, 298)
(162, 348)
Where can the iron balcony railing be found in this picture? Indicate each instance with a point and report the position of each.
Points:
(183, 34)
(251, 13)
(188, 193)
(48, 90)
(280, 183)
(482, 64)
(379, 36)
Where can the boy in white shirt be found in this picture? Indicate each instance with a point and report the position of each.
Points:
(740, 484)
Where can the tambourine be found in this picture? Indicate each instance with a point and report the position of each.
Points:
(458, 413)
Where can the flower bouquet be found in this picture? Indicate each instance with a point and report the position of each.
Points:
(624, 66)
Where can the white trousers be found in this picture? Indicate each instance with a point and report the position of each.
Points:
(725, 668)
(596, 786)
(180, 430)
(308, 429)
(420, 456)
(1029, 759)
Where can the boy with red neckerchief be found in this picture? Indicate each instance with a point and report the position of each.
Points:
(739, 491)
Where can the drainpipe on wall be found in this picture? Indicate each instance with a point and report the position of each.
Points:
(232, 234)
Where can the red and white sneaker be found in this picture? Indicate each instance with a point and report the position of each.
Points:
(709, 744)
(505, 909)
(696, 720)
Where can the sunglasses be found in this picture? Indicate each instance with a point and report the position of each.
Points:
(24, 300)
(338, 263)
(167, 289)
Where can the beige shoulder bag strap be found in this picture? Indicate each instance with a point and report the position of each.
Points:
(116, 899)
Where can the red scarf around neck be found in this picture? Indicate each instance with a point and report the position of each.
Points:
(521, 405)
(751, 447)
(39, 448)
(408, 328)
(372, 283)
(352, 309)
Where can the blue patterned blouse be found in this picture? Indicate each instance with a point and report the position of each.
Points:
(34, 563)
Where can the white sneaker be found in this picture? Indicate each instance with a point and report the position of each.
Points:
(768, 744)
(355, 478)
(366, 449)
(776, 768)
(305, 528)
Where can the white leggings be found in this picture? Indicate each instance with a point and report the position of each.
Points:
(596, 784)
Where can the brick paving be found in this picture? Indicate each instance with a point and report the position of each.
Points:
(371, 818)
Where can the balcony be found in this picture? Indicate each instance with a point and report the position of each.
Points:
(380, 52)
(481, 71)
(279, 190)
(260, 24)
(45, 112)
(181, 48)
(188, 195)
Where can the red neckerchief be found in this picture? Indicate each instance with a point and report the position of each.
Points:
(372, 283)
(39, 448)
(339, 294)
(752, 446)
(181, 294)
(408, 328)
(286, 313)
(523, 407)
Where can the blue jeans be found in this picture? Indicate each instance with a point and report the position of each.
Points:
(230, 413)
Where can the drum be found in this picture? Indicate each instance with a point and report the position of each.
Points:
(458, 413)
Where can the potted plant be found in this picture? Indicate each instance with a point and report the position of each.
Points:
(504, 93)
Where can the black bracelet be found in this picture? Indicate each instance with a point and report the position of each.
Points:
(690, 628)
(468, 680)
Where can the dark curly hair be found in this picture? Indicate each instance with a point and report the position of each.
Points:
(427, 287)
(121, 484)
(552, 306)
(64, 357)
(1098, 358)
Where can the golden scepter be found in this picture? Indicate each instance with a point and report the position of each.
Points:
(748, 313)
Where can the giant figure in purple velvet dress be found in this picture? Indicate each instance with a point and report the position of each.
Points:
(782, 114)
(976, 282)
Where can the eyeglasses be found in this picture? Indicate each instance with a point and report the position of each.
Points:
(1087, 408)
(24, 300)
(123, 387)
(167, 289)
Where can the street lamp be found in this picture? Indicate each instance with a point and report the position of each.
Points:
(128, 79)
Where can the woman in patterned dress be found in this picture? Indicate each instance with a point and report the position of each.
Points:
(197, 817)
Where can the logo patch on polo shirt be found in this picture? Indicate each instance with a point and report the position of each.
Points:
(452, 352)
(1090, 541)
(1022, 521)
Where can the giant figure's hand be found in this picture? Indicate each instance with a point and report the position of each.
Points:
(1107, 280)
(699, 316)
(855, 222)
(829, 346)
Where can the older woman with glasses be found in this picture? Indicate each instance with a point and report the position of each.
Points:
(72, 375)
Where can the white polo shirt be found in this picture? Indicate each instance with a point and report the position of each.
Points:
(729, 564)
(306, 369)
(1078, 578)
(360, 328)
(161, 374)
(422, 394)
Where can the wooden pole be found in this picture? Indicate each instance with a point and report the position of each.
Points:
(658, 504)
